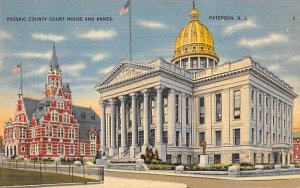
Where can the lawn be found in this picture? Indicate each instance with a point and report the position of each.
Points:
(14, 177)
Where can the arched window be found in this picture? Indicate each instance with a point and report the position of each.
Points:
(93, 137)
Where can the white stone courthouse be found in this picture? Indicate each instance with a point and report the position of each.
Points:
(242, 111)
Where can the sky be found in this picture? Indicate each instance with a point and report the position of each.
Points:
(87, 50)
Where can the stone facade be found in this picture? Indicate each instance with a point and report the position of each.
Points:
(241, 99)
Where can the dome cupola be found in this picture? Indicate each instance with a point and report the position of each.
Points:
(194, 47)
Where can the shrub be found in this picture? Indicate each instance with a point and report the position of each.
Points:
(160, 167)
(268, 167)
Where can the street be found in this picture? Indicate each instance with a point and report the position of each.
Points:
(200, 182)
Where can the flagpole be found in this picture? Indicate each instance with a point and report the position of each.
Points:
(130, 46)
(21, 87)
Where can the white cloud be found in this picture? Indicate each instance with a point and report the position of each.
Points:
(295, 58)
(29, 55)
(99, 34)
(151, 24)
(48, 37)
(74, 69)
(38, 71)
(105, 70)
(258, 42)
(5, 35)
(239, 26)
(98, 57)
(274, 68)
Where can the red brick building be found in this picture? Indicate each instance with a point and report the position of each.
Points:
(52, 127)
(296, 147)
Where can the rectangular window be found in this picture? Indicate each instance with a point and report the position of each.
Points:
(218, 107)
(235, 158)
(188, 139)
(252, 113)
(72, 150)
(177, 108)
(260, 116)
(260, 99)
(218, 138)
(217, 159)
(165, 137)
(252, 136)
(178, 159)
(54, 117)
(165, 117)
(202, 110)
(66, 118)
(177, 138)
(274, 138)
(49, 149)
(60, 104)
(60, 149)
(141, 138)
(262, 158)
(152, 111)
(260, 137)
(93, 149)
(236, 133)
(22, 133)
(201, 138)
(187, 110)
(267, 138)
(129, 138)
(48, 131)
(252, 95)
(152, 137)
(82, 149)
(237, 104)
(141, 114)
(60, 132)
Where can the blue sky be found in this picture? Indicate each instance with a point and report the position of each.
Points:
(88, 50)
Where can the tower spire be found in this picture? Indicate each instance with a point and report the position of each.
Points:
(54, 66)
(193, 4)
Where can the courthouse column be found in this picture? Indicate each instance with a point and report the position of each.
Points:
(171, 118)
(103, 125)
(159, 145)
(146, 119)
(159, 114)
(134, 125)
(183, 122)
(112, 149)
(123, 124)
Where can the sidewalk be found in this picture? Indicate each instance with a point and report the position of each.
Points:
(113, 182)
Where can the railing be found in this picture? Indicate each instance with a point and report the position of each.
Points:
(40, 173)
(124, 153)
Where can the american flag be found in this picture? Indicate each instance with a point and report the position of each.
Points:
(124, 9)
(16, 69)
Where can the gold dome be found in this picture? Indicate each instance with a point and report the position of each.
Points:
(194, 40)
